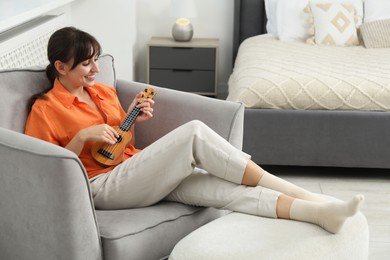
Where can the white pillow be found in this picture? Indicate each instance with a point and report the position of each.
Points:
(291, 20)
(358, 4)
(376, 10)
(334, 24)
(270, 11)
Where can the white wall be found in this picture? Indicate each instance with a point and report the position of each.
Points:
(113, 23)
(214, 20)
(124, 27)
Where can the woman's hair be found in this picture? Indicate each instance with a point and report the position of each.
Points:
(64, 45)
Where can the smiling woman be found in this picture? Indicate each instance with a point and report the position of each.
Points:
(78, 112)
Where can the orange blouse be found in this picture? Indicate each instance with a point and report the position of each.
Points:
(59, 116)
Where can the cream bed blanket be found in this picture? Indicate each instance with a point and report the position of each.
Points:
(269, 73)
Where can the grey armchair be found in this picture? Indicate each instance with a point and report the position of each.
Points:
(46, 207)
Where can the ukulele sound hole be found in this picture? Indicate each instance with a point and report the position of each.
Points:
(119, 139)
(106, 154)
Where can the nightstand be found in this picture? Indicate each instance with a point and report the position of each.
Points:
(187, 66)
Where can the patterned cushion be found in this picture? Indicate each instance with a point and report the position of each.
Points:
(376, 34)
(332, 24)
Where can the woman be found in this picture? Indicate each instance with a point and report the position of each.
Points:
(77, 112)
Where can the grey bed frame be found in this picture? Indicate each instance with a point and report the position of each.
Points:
(308, 137)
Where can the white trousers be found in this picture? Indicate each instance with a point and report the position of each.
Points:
(192, 165)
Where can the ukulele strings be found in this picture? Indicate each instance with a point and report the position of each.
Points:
(110, 148)
(126, 124)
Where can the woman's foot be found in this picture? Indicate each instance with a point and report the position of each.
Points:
(329, 215)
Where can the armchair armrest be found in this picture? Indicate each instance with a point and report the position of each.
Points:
(174, 108)
(46, 207)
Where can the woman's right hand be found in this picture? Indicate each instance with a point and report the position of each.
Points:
(99, 133)
(96, 133)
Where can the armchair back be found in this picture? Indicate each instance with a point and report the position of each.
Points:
(19, 85)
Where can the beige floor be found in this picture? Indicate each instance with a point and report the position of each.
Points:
(343, 183)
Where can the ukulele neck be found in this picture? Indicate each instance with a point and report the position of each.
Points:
(130, 119)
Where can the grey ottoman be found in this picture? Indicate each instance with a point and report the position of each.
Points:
(239, 236)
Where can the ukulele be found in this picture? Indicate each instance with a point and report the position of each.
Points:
(112, 154)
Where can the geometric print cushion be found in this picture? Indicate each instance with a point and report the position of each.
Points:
(332, 24)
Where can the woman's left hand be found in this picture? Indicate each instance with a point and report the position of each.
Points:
(146, 107)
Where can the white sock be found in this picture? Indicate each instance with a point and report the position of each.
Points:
(272, 182)
(329, 215)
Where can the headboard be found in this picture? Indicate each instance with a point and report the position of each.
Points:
(249, 20)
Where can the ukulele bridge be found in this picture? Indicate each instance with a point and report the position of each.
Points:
(106, 154)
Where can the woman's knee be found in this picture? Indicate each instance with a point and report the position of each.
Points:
(196, 123)
(197, 126)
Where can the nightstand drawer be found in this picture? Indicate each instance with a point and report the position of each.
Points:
(187, 66)
(184, 80)
(182, 58)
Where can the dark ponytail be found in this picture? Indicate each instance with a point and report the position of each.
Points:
(51, 73)
(64, 45)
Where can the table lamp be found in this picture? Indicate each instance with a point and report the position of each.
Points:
(182, 29)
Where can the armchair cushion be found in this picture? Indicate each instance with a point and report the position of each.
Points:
(152, 232)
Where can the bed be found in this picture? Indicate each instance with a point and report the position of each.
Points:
(349, 128)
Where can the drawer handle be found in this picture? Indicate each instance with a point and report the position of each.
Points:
(182, 70)
(184, 48)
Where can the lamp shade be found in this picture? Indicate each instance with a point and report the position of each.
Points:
(183, 9)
